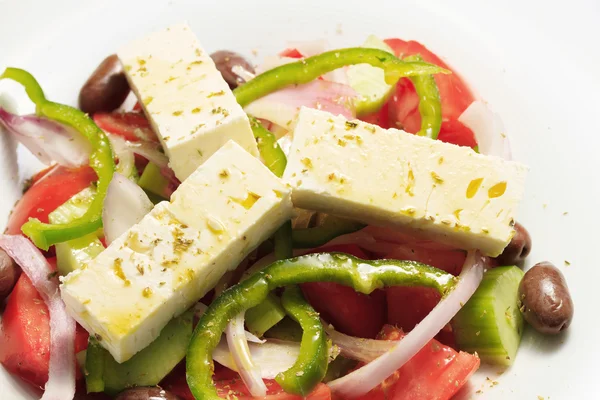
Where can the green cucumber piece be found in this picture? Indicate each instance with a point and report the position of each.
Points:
(94, 366)
(490, 323)
(153, 181)
(330, 228)
(264, 316)
(149, 366)
(369, 81)
(76, 253)
(339, 367)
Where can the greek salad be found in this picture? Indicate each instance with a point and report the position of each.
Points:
(329, 224)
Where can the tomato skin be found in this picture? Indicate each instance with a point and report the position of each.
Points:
(455, 132)
(291, 53)
(51, 190)
(25, 335)
(380, 118)
(133, 126)
(436, 372)
(350, 312)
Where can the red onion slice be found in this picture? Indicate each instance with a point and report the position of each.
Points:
(149, 150)
(242, 358)
(362, 380)
(282, 107)
(125, 205)
(360, 349)
(61, 373)
(488, 129)
(48, 140)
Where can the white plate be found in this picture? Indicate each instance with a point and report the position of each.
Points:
(536, 63)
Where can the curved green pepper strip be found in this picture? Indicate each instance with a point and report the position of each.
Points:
(311, 68)
(364, 276)
(430, 105)
(311, 366)
(101, 160)
(331, 228)
(269, 149)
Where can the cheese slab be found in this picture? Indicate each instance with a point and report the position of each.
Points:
(177, 253)
(187, 101)
(393, 178)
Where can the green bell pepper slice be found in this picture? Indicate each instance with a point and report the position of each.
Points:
(270, 151)
(362, 275)
(430, 105)
(101, 160)
(311, 68)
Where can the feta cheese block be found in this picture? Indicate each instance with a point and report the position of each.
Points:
(392, 178)
(178, 252)
(187, 101)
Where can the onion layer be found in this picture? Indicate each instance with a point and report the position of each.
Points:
(488, 129)
(61, 373)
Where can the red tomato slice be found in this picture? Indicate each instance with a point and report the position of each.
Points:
(380, 117)
(350, 312)
(291, 53)
(436, 372)
(455, 132)
(132, 126)
(55, 187)
(230, 386)
(25, 335)
(407, 306)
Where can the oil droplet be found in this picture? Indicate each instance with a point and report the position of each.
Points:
(249, 201)
(473, 187)
(411, 182)
(497, 190)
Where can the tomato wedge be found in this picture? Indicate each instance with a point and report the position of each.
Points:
(455, 96)
(52, 189)
(436, 372)
(133, 126)
(25, 335)
(350, 312)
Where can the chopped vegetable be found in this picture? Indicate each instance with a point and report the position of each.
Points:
(430, 106)
(311, 366)
(363, 276)
(490, 322)
(154, 182)
(101, 160)
(146, 368)
(331, 228)
(311, 68)
(264, 316)
(272, 155)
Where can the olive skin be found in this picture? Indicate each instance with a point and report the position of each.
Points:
(146, 393)
(225, 61)
(9, 273)
(544, 299)
(518, 248)
(106, 89)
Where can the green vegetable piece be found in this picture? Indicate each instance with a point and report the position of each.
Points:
(94, 366)
(270, 151)
(149, 366)
(490, 323)
(362, 275)
(76, 253)
(430, 105)
(311, 68)
(339, 367)
(264, 316)
(101, 160)
(154, 182)
(311, 366)
(369, 82)
(287, 329)
(331, 228)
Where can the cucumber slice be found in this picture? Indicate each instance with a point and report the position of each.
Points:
(146, 368)
(287, 329)
(490, 323)
(369, 81)
(75, 253)
(153, 181)
(264, 316)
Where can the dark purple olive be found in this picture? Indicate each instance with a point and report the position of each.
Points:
(106, 89)
(544, 299)
(9, 273)
(146, 393)
(226, 61)
(518, 248)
